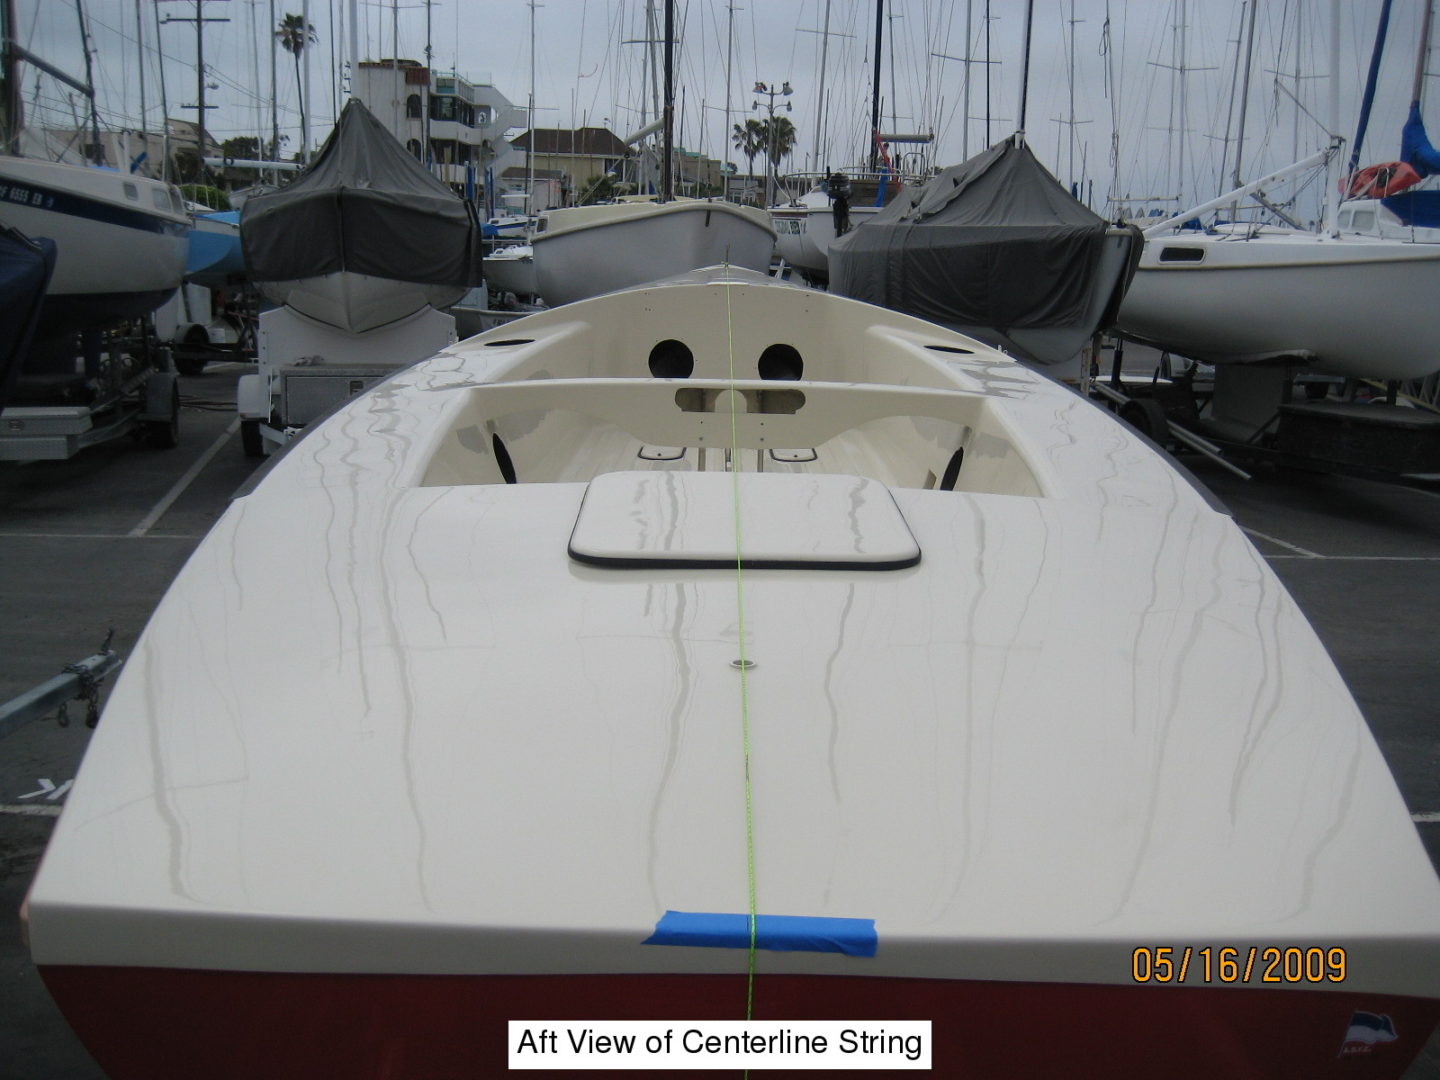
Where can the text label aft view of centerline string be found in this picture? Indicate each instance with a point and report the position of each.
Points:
(719, 1044)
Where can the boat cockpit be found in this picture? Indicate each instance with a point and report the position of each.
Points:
(756, 399)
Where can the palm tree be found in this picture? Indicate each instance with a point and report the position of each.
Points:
(294, 34)
(778, 137)
(749, 139)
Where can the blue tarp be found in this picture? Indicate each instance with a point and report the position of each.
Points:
(25, 268)
(1417, 208)
(1415, 148)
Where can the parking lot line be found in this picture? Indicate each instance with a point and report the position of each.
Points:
(158, 511)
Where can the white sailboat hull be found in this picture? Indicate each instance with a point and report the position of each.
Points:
(512, 270)
(467, 729)
(615, 247)
(805, 230)
(121, 243)
(1357, 306)
(358, 302)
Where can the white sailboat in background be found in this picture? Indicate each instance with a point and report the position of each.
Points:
(583, 251)
(1342, 301)
(121, 239)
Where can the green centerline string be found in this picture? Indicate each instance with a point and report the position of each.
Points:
(744, 661)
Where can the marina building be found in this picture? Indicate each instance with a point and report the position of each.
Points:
(463, 121)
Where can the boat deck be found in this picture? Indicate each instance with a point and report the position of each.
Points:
(93, 542)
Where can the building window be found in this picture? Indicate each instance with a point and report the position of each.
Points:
(482, 117)
(414, 147)
(412, 107)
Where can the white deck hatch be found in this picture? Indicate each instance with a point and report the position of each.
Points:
(683, 519)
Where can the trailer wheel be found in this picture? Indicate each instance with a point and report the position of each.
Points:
(165, 434)
(1147, 417)
(250, 439)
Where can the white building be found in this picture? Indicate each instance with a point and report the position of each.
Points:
(465, 122)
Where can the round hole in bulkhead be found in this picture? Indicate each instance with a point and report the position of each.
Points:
(782, 362)
(508, 341)
(671, 359)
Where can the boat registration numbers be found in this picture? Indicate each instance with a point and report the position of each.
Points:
(18, 193)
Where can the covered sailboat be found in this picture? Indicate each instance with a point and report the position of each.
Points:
(995, 248)
(527, 744)
(366, 236)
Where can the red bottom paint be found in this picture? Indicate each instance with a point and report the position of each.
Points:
(158, 1024)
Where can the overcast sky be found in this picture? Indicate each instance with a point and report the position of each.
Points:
(1128, 134)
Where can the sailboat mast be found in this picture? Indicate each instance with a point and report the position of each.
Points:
(729, 56)
(1245, 89)
(1332, 200)
(1181, 47)
(1373, 77)
(667, 181)
(99, 153)
(965, 108)
(10, 115)
(140, 57)
(1025, 65)
(530, 149)
(875, 96)
(1424, 49)
(820, 98)
(429, 82)
(305, 84)
(165, 99)
(274, 98)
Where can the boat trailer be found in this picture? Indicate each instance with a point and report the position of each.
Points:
(83, 389)
(79, 681)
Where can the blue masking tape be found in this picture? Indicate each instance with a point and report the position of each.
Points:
(778, 933)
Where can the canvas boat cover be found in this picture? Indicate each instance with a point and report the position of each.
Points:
(1415, 148)
(25, 269)
(995, 241)
(365, 206)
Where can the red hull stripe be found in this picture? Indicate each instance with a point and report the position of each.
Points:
(158, 1024)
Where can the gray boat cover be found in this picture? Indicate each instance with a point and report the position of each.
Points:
(995, 241)
(365, 206)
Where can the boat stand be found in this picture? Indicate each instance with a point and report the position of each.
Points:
(1270, 414)
(83, 389)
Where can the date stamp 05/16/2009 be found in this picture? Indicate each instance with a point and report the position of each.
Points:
(1269, 964)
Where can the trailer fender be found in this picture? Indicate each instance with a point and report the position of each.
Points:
(252, 397)
(160, 391)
